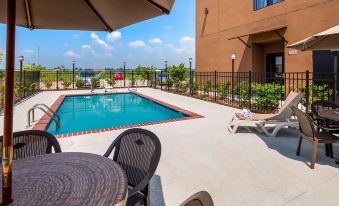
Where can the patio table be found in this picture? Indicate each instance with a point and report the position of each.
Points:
(331, 115)
(68, 179)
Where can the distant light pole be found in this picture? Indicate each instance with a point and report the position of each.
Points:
(73, 71)
(233, 56)
(166, 62)
(124, 73)
(21, 59)
(190, 60)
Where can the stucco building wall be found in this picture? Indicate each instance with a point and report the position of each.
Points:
(226, 19)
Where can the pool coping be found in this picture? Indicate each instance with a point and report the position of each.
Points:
(45, 119)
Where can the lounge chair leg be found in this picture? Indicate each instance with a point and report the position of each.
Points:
(314, 155)
(233, 123)
(299, 145)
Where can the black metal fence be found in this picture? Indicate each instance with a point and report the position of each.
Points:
(261, 92)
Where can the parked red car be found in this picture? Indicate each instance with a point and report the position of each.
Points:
(118, 76)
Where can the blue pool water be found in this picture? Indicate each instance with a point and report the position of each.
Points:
(83, 113)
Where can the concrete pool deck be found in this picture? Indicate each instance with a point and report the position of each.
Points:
(200, 154)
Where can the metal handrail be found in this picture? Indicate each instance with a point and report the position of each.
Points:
(49, 109)
(42, 107)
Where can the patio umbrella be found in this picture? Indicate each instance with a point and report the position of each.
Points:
(326, 40)
(98, 15)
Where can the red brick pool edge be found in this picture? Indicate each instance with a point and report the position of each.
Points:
(45, 119)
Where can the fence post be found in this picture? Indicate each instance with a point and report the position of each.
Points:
(307, 88)
(132, 83)
(190, 84)
(57, 78)
(161, 80)
(215, 86)
(249, 90)
(155, 79)
(334, 93)
(73, 77)
(167, 75)
(25, 83)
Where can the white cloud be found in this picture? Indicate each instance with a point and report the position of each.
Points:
(137, 43)
(176, 49)
(155, 41)
(168, 27)
(86, 46)
(71, 54)
(28, 51)
(76, 35)
(114, 36)
(186, 39)
(100, 42)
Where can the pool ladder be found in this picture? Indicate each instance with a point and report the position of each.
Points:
(48, 111)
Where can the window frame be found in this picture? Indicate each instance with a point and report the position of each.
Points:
(269, 3)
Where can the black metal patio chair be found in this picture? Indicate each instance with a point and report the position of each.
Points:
(138, 152)
(32, 143)
(202, 198)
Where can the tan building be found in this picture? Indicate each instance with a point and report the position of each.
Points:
(258, 31)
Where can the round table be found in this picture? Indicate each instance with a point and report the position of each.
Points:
(68, 179)
(329, 114)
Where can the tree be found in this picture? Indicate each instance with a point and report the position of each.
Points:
(177, 75)
(60, 68)
(33, 67)
(1, 56)
(145, 72)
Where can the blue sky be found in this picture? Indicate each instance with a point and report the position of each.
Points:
(169, 37)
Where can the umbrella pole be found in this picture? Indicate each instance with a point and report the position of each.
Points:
(335, 65)
(7, 147)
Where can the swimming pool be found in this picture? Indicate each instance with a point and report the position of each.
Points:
(101, 111)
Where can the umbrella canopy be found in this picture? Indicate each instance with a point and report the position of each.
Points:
(326, 40)
(98, 15)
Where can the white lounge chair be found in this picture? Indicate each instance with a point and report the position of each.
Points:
(279, 120)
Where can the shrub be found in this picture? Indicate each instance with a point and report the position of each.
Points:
(242, 90)
(317, 92)
(206, 86)
(193, 87)
(268, 94)
(80, 83)
(223, 89)
(18, 90)
(95, 82)
(48, 83)
(111, 82)
(263, 94)
(66, 84)
(30, 87)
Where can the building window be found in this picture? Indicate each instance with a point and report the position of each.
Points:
(259, 4)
